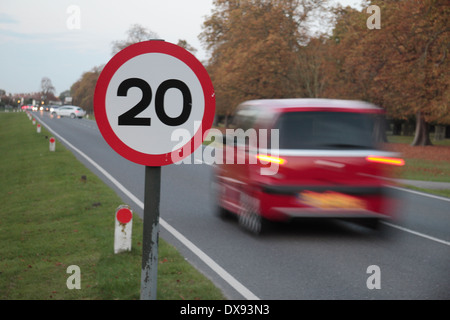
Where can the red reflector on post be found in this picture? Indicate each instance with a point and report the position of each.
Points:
(386, 160)
(124, 215)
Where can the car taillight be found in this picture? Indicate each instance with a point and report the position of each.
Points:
(386, 160)
(267, 158)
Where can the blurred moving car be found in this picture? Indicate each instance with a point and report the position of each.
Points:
(69, 111)
(322, 158)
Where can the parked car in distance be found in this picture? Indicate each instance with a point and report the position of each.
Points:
(69, 111)
(327, 162)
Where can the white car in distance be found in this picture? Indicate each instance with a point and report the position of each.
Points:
(69, 111)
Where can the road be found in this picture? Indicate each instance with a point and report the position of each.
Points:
(303, 260)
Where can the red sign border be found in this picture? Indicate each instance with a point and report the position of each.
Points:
(152, 46)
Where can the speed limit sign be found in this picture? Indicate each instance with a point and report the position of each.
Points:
(146, 92)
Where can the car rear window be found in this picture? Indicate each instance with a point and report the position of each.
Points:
(329, 130)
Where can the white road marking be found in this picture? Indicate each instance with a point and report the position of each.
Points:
(422, 194)
(417, 233)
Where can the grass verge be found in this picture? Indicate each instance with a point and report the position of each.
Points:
(51, 219)
(426, 170)
(426, 163)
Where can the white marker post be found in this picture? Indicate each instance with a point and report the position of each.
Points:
(123, 229)
(38, 128)
(52, 144)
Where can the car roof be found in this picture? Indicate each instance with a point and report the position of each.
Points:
(307, 103)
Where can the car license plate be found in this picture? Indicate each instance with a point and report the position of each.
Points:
(331, 200)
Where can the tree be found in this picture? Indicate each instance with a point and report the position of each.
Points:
(4, 99)
(254, 46)
(83, 90)
(136, 33)
(403, 66)
(416, 38)
(353, 60)
(420, 44)
(47, 90)
(313, 65)
(63, 95)
(185, 45)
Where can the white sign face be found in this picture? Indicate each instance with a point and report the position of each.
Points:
(147, 91)
(153, 136)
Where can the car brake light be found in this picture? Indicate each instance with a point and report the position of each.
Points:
(386, 160)
(267, 158)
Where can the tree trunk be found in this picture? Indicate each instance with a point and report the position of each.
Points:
(422, 136)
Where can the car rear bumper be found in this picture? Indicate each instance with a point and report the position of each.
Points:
(325, 213)
(346, 202)
(293, 190)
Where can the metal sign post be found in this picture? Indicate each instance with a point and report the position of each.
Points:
(149, 273)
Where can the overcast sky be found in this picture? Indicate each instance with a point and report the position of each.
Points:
(61, 39)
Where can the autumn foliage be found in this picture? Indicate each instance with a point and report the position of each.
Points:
(83, 90)
(263, 49)
(254, 49)
(270, 49)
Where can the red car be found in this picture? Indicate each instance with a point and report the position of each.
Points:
(293, 158)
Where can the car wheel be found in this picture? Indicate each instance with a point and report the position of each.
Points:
(249, 217)
(54, 114)
(72, 115)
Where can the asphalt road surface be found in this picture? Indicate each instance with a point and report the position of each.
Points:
(311, 259)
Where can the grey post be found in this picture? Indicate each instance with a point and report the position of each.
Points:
(149, 272)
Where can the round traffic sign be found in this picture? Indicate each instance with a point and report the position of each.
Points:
(153, 102)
